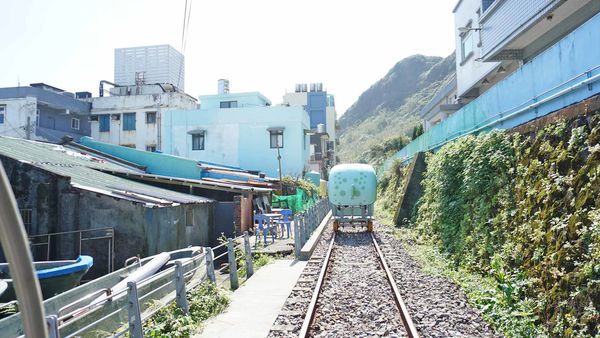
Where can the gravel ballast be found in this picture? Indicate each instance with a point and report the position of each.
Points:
(357, 302)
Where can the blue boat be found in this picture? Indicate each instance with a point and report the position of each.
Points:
(55, 277)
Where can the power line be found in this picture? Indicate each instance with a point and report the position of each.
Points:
(184, 34)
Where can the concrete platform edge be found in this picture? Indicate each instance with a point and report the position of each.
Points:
(311, 244)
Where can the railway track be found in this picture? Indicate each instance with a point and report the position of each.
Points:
(355, 292)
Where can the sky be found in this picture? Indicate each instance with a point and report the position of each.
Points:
(259, 45)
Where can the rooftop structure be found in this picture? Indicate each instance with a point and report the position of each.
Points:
(149, 65)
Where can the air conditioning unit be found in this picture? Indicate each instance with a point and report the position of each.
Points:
(115, 117)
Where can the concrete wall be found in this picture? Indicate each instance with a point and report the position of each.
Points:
(46, 121)
(139, 230)
(145, 134)
(251, 99)
(239, 137)
(16, 112)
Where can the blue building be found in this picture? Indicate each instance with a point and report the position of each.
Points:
(42, 112)
(323, 124)
(241, 130)
(512, 69)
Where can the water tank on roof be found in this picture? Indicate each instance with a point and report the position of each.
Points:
(223, 86)
(321, 128)
(83, 95)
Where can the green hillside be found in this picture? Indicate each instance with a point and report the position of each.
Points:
(389, 108)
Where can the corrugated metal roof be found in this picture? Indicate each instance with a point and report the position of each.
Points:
(86, 173)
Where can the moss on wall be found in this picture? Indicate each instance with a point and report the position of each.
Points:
(525, 210)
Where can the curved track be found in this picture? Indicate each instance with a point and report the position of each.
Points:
(356, 293)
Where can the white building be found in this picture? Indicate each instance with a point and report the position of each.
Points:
(135, 120)
(494, 38)
(149, 65)
(443, 104)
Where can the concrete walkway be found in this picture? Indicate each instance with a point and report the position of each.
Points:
(256, 304)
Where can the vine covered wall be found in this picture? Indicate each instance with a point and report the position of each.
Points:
(526, 210)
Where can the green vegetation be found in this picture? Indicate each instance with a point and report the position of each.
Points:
(205, 301)
(292, 183)
(417, 131)
(378, 153)
(389, 188)
(489, 293)
(389, 108)
(523, 212)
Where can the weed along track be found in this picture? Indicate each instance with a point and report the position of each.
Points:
(355, 294)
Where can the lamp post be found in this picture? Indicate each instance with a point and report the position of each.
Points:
(279, 160)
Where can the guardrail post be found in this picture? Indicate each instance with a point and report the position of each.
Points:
(210, 265)
(180, 292)
(297, 239)
(302, 223)
(135, 316)
(233, 276)
(248, 251)
(52, 322)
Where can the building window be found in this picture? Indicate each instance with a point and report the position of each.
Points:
(128, 121)
(276, 138)
(26, 216)
(485, 4)
(150, 117)
(75, 123)
(198, 141)
(2, 112)
(104, 123)
(466, 45)
(229, 104)
(151, 148)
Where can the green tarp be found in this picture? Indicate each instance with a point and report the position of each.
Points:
(298, 202)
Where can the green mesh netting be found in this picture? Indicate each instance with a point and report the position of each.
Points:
(298, 202)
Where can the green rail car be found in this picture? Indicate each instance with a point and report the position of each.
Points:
(352, 190)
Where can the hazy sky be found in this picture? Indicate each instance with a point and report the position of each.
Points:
(259, 45)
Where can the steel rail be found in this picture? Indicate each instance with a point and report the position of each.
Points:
(312, 307)
(409, 326)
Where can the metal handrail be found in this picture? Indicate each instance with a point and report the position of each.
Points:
(178, 281)
(95, 322)
(91, 295)
(134, 259)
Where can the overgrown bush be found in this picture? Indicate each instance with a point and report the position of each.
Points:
(525, 211)
(205, 301)
(388, 192)
(378, 153)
